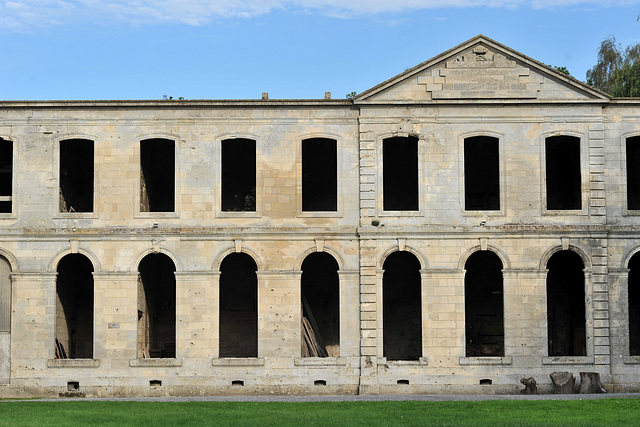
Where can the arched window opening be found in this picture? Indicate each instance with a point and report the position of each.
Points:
(238, 306)
(484, 305)
(76, 175)
(400, 174)
(481, 174)
(5, 295)
(74, 308)
(6, 176)
(564, 182)
(238, 175)
(319, 175)
(566, 305)
(634, 305)
(633, 173)
(157, 175)
(320, 306)
(402, 307)
(156, 307)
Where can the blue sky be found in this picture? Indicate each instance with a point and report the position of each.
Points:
(237, 49)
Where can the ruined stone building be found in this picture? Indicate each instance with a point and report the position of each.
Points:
(469, 222)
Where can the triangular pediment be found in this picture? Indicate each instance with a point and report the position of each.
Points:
(481, 70)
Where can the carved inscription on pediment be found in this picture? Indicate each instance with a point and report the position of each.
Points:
(480, 73)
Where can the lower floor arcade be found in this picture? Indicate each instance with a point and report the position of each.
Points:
(385, 315)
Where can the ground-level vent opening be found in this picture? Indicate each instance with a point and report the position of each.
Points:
(73, 386)
(238, 306)
(402, 307)
(402, 382)
(155, 383)
(320, 382)
(238, 383)
(486, 381)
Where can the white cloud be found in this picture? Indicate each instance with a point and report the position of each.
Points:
(22, 15)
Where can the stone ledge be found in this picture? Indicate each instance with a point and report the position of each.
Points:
(238, 361)
(423, 361)
(320, 361)
(568, 360)
(631, 360)
(73, 363)
(151, 363)
(485, 360)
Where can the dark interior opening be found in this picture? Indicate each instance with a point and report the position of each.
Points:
(484, 305)
(634, 305)
(238, 306)
(633, 173)
(76, 175)
(564, 181)
(239, 175)
(319, 175)
(6, 175)
(5, 295)
(157, 307)
(402, 307)
(73, 386)
(320, 303)
(400, 173)
(74, 308)
(157, 175)
(481, 174)
(566, 305)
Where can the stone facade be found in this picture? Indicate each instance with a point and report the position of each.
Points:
(477, 240)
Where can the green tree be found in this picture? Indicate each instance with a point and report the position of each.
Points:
(617, 71)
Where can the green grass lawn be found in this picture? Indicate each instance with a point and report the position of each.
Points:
(604, 412)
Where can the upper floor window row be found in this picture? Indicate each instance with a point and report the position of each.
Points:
(157, 175)
(482, 174)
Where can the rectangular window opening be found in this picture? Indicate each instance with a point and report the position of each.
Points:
(633, 173)
(239, 175)
(238, 383)
(76, 175)
(157, 175)
(6, 175)
(481, 174)
(564, 180)
(402, 382)
(320, 382)
(400, 173)
(73, 386)
(319, 175)
(155, 383)
(486, 381)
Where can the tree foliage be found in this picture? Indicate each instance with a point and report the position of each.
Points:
(617, 71)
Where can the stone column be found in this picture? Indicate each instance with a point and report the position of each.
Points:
(197, 314)
(33, 322)
(115, 322)
(525, 315)
(443, 330)
(349, 313)
(279, 314)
